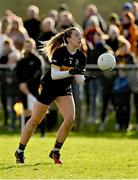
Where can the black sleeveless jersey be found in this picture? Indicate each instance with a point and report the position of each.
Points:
(65, 61)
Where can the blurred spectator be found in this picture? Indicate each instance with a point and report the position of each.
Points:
(136, 107)
(127, 6)
(10, 88)
(9, 14)
(114, 38)
(99, 47)
(53, 13)
(130, 30)
(94, 86)
(135, 11)
(32, 23)
(3, 37)
(18, 33)
(124, 54)
(92, 27)
(6, 25)
(13, 58)
(8, 81)
(66, 20)
(28, 75)
(29, 69)
(133, 81)
(124, 57)
(91, 10)
(63, 7)
(47, 30)
(114, 19)
(7, 48)
(121, 100)
(107, 80)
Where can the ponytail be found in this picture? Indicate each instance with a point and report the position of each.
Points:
(53, 44)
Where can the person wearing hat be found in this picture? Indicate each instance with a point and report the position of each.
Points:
(127, 6)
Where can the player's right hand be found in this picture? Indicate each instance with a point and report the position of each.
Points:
(77, 70)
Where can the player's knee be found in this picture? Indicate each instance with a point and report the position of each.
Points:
(70, 119)
(34, 121)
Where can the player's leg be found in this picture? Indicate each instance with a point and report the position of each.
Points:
(38, 113)
(67, 109)
(66, 106)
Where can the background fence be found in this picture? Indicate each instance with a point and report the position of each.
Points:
(92, 100)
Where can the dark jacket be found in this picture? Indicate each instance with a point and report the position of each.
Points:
(29, 71)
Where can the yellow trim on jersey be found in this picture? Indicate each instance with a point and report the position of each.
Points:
(40, 89)
(62, 68)
(65, 68)
(55, 66)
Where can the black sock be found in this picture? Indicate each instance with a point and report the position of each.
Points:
(57, 146)
(21, 147)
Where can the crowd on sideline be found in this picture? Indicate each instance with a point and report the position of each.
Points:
(20, 46)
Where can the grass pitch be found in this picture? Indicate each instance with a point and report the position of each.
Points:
(98, 155)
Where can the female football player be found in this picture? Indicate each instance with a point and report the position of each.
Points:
(67, 62)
